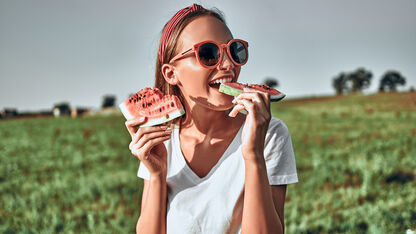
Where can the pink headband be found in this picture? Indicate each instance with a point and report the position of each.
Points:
(167, 30)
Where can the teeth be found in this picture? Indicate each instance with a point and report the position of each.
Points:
(220, 81)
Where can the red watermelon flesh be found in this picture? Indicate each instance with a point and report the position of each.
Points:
(152, 104)
(235, 88)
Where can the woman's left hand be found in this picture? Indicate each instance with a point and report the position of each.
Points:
(257, 121)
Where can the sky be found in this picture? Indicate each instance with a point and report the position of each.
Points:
(77, 51)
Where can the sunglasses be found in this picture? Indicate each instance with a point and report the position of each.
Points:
(209, 53)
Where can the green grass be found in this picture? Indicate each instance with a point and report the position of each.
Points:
(70, 175)
(355, 157)
(356, 164)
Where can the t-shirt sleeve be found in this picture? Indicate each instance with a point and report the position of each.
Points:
(279, 155)
(143, 172)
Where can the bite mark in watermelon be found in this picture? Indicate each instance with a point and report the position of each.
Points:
(235, 88)
(152, 104)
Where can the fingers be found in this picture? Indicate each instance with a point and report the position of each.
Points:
(143, 152)
(251, 101)
(133, 123)
(144, 130)
(146, 138)
(245, 104)
(237, 108)
(265, 97)
(149, 136)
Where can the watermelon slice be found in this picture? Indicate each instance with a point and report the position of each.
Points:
(235, 88)
(151, 103)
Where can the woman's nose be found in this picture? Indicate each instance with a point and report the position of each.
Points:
(226, 63)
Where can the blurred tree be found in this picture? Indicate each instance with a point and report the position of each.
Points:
(390, 80)
(354, 81)
(339, 83)
(272, 82)
(360, 79)
(108, 101)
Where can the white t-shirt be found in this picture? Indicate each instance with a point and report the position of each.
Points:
(210, 204)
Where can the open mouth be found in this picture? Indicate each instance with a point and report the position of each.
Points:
(216, 83)
(215, 86)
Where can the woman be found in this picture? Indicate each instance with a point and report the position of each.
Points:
(218, 171)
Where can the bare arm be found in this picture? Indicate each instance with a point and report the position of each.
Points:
(153, 212)
(147, 145)
(279, 197)
(259, 213)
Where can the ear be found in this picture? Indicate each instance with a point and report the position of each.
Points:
(169, 73)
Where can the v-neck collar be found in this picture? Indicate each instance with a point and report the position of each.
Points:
(195, 178)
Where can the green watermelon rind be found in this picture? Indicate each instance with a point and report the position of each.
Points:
(152, 122)
(276, 98)
(229, 90)
(235, 92)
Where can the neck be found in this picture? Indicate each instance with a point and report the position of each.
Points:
(201, 121)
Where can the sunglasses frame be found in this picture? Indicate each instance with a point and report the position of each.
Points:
(222, 47)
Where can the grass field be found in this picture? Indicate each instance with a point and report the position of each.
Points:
(355, 158)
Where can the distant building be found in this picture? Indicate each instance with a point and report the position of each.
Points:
(44, 113)
(61, 109)
(79, 111)
(109, 101)
(9, 113)
(35, 114)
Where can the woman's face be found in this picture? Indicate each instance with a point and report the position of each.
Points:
(195, 81)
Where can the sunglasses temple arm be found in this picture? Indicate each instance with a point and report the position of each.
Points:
(186, 51)
(178, 56)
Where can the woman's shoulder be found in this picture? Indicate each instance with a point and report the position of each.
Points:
(277, 124)
(277, 131)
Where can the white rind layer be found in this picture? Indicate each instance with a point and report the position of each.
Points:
(152, 122)
(125, 112)
(163, 119)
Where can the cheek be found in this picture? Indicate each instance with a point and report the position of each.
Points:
(192, 76)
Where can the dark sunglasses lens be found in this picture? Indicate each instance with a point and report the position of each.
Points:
(238, 52)
(209, 54)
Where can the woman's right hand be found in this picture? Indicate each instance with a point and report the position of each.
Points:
(147, 145)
